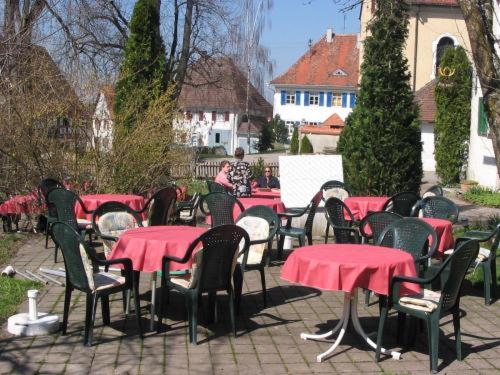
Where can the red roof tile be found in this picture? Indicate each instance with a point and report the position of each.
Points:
(326, 130)
(317, 65)
(333, 120)
(425, 99)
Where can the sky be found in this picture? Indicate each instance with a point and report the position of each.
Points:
(294, 22)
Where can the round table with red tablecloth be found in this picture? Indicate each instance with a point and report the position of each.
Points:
(444, 231)
(346, 267)
(270, 194)
(20, 204)
(360, 206)
(92, 201)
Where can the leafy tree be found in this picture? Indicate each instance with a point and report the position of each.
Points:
(294, 144)
(306, 146)
(142, 77)
(280, 131)
(257, 168)
(380, 145)
(265, 142)
(452, 127)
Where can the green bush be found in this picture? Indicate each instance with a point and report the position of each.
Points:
(257, 168)
(452, 125)
(294, 143)
(381, 143)
(483, 196)
(306, 146)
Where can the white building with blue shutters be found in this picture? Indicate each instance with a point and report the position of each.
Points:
(322, 82)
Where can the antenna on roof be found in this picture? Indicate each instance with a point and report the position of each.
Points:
(310, 42)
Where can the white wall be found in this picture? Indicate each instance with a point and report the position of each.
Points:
(311, 113)
(427, 137)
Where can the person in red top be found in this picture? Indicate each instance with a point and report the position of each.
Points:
(221, 177)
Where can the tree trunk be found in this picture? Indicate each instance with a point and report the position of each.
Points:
(479, 18)
(186, 44)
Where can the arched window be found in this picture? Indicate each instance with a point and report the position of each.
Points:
(443, 44)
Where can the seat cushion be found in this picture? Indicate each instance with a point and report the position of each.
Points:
(257, 229)
(84, 224)
(427, 301)
(336, 193)
(483, 255)
(105, 280)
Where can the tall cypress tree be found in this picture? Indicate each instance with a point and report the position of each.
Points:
(142, 77)
(380, 144)
(453, 92)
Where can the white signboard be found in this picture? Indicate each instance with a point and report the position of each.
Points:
(301, 176)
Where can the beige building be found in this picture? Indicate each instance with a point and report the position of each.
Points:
(434, 24)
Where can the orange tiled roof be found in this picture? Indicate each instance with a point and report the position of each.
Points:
(333, 120)
(317, 65)
(426, 100)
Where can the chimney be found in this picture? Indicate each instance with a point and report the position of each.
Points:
(329, 35)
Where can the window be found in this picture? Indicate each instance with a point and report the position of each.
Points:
(220, 116)
(200, 116)
(214, 114)
(226, 116)
(290, 97)
(314, 98)
(444, 43)
(336, 99)
(189, 115)
(217, 137)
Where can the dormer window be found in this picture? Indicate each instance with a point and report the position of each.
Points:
(338, 73)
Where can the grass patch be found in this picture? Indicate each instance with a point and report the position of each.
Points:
(9, 243)
(483, 196)
(12, 293)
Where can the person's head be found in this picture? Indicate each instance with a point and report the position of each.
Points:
(268, 172)
(225, 166)
(239, 153)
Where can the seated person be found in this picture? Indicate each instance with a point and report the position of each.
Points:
(268, 180)
(221, 178)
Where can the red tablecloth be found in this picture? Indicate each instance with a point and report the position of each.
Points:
(345, 267)
(20, 204)
(273, 194)
(444, 231)
(146, 246)
(93, 201)
(275, 204)
(360, 206)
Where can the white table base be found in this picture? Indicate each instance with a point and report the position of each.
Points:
(350, 311)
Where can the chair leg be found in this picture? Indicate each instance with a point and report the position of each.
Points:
(189, 316)
(55, 253)
(487, 281)
(88, 317)
(456, 328)
(194, 317)
(400, 327)
(231, 311)
(93, 306)
(309, 239)
(67, 302)
(238, 286)
(281, 242)
(212, 307)
(47, 229)
(301, 240)
(137, 307)
(367, 297)
(269, 252)
(163, 300)
(327, 231)
(380, 333)
(263, 282)
(493, 281)
(105, 310)
(434, 341)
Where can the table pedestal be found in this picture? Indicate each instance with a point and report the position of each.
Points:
(350, 311)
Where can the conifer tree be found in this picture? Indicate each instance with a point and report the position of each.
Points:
(142, 77)
(380, 144)
(294, 144)
(305, 146)
(452, 127)
(265, 142)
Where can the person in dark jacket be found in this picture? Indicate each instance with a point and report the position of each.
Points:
(268, 180)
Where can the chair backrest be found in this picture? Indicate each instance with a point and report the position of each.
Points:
(74, 251)
(214, 187)
(438, 207)
(495, 243)
(433, 191)
(48, 184)
(265, 213)
(401, 203)
(161, 206)
(62, 202)
(313, 206)
(334, 188)
(335, 211)
(411, 235)
(220, 208)
(217, 258)
(376, 222)
(456, 266)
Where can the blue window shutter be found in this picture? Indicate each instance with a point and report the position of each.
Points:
(328, 99)
(306, 98)
(321, 99)
(297, 97)
(283, 97)
(344, 100)
(352, 101)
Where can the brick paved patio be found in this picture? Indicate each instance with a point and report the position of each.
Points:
(268, 339)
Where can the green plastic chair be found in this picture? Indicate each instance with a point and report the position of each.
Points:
(214, 187)
(160, 208)
(186, 211)
(437, 304)
(299, 233)
(401, 203)
(343, 230)
(273, 221)
(437, 207)
(376, 222)
(82, 273)
(212, 271)
(486, 260)
(433, 191)
(44, 187)
(220, 207)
